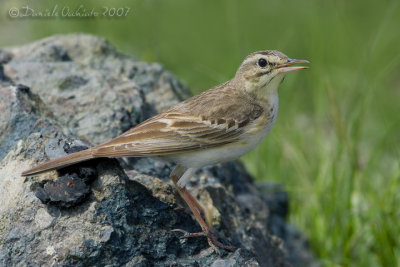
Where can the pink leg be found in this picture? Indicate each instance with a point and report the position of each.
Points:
(196, 209)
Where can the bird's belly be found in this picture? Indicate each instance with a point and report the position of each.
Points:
(253, 136)
(210, 156)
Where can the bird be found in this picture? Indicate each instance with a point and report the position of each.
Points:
(218, 125)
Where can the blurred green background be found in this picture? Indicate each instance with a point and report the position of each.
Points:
(336, 144)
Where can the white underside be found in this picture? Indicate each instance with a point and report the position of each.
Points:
(200, 158)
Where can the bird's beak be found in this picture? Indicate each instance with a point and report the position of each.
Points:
(285, 67)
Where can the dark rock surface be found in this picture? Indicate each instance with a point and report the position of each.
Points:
(63, 93)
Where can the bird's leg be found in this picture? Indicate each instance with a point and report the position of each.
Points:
(196, 209)
(176, 174)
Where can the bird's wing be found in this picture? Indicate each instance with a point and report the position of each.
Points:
(169, 135)
(194, 124)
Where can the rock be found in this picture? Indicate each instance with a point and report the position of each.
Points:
(22, 113)
(90, 87)
(64, 93)
(67, 191)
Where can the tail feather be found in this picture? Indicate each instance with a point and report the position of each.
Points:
(61, 162)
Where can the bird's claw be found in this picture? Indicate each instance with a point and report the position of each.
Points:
(212, 240)
(180, 208)
(187, 234)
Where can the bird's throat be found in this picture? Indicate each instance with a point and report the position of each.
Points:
(269, 89)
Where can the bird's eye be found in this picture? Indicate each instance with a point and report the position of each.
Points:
(262, 62)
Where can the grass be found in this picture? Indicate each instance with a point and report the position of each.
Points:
(336, 143)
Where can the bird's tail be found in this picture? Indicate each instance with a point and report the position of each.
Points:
(60, 162)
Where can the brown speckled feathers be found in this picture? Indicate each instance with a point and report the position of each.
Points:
(210, 119)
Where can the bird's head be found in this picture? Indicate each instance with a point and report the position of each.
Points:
(261, 72)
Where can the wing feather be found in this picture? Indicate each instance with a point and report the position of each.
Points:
(191, 125)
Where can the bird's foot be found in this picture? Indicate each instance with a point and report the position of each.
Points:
(180, 208)
(212, 240)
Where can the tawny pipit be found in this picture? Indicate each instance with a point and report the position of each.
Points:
(218, 125)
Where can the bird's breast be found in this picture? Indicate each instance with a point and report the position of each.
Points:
(253, 135)
(263, 125)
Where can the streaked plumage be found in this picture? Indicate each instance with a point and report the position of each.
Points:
(218, 125)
